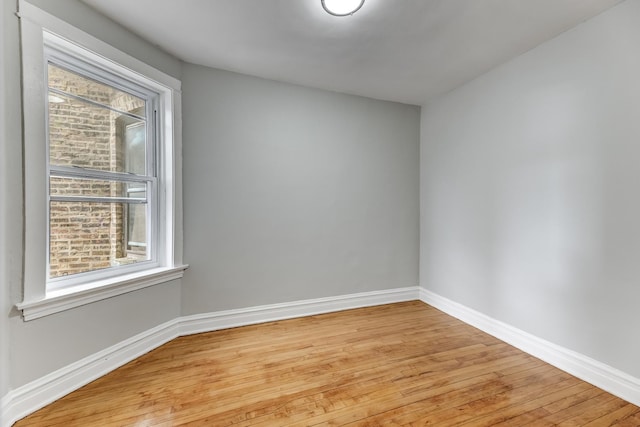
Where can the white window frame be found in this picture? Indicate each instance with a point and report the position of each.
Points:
(58, 54)
(41, 31)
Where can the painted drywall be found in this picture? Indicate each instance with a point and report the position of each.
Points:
(5, 306)
(293, 193)
(530, 209)
(41, 346)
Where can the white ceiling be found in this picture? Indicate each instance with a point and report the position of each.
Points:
(400, 50)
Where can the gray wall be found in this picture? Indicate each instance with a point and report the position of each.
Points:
(530, 207)
(40, 346)
(5, 212)
(293, 193)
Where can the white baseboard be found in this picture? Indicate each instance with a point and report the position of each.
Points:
(4, 408)
(597, 373)
(268, 313)
(30, 397)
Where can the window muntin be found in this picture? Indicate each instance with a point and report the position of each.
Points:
(72, 188)
(102, 213)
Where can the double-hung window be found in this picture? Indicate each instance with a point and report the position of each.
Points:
(103, 185)
(102, 170)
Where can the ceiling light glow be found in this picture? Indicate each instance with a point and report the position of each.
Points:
(342, 7)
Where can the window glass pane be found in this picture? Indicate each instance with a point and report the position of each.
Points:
(63, 186)
(86, 236)
(75, 84)
(134, 147)
(136, 232)
(89, 136)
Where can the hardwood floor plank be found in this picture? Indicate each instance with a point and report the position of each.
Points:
(396, 364)
(631, 421)
(457, 412)
(611, 418)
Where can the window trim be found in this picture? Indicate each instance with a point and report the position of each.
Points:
(39, 28)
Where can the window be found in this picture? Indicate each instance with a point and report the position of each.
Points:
(102, 177)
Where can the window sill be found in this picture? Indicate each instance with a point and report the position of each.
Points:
(65, 299)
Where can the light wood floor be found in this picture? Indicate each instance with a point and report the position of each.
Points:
(397, 364)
